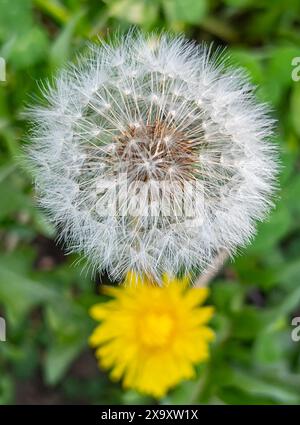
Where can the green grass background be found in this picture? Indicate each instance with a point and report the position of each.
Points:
(45, 298)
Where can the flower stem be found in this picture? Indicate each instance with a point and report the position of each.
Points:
(55, 9)
(207, 276)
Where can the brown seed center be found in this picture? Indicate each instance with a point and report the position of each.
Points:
(155, 151)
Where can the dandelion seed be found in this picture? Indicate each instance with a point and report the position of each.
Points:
(159, 122)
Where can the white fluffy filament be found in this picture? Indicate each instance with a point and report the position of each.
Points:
(150, 155)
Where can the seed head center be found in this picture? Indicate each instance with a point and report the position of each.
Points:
(155, 151)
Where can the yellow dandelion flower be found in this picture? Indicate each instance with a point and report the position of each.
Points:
(151, 337)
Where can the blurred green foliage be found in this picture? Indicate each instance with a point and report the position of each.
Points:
(45, 296)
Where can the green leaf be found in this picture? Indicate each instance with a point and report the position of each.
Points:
(252, 272)
(28, 49)
(12, 199)
(291, 195)
(134, 11)
(70, 327)
(239, 3)
(24, 42)
(15, 17)
(61, 48)
(251, 321)
(250, 62)
(271, 231)
(6, 389)
(59, 357)
(132, 397)
(258, 386)
(295, 107)
(279, 72)
(20, 293)
(54, 9)
(227, 296)
(268, 348)
(289, 274)
(189, 11)
(290, 303)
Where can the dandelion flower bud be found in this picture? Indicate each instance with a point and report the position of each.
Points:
(151, 156)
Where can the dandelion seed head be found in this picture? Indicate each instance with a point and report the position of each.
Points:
(151, 156)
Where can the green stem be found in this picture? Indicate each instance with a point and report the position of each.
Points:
(54, 9)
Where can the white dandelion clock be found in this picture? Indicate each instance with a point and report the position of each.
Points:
(151, 156)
